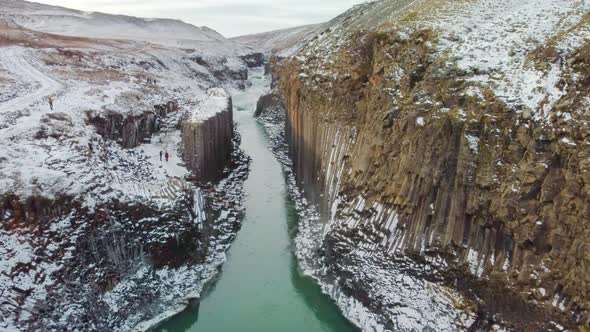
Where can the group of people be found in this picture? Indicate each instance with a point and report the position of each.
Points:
(165, 155)
(152, 81)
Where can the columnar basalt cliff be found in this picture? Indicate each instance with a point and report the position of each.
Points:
(135, 239)
(406, 154)
(131, 130)
(207, 133)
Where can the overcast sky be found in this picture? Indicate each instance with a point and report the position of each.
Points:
(229, 17)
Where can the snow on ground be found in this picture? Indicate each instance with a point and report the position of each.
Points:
(401, 298)
(493, 39)
(165, 142)
(47, 152)
(216, 101)
(55, 164)
(284, 42)
(13, 60)
(69, 22)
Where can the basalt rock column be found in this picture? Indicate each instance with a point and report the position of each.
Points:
(131, 130)
(207, 134)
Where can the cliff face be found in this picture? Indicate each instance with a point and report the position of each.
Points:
(407, 153)
(131, 130)
(207, 134)
(86, 261)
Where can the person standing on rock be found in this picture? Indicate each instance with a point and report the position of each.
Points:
(161, 154)
(166, 155)
(50, 101)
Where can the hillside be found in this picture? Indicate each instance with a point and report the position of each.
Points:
(446, 145)
(284, 42)
(69, 22)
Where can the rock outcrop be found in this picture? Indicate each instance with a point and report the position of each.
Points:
(130, 130)
(87, 261)
(207, 133)
(406, 154)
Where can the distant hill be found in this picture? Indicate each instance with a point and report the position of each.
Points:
(70, 22)
(283, 42)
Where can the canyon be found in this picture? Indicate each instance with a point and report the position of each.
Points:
(407, 166)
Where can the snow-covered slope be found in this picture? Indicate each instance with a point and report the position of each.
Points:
(284, 42)
(492, 41)
(287, 42)
(69, 22)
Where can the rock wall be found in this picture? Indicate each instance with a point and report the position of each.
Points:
(207, 140)
(435, 171)
(130, 130)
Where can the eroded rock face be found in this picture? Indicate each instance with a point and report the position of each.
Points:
(78, 255)
(223, 70)
(418, 166)
(112, 266)
(54, 125)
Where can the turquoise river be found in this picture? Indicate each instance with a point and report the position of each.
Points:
(261, 288)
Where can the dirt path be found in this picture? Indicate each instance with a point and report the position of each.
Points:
(14, 60)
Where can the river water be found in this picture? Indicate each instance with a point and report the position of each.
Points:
(260, 288)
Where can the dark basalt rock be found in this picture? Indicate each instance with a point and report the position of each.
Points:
(500, 196)
(269, 103)
(207, 145)
(96, 249)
